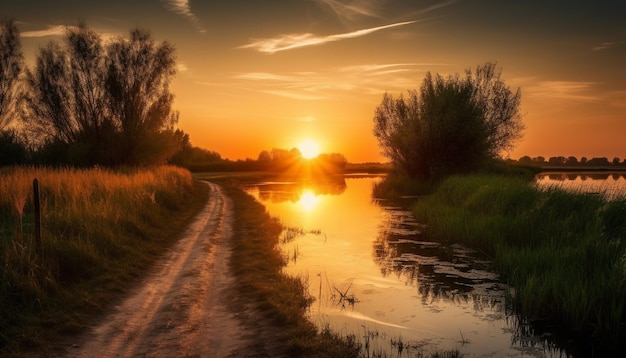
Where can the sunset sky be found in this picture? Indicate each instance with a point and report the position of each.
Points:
(254, 75)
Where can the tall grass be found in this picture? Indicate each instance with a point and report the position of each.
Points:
(99, 229)
(257, 263)
(563, 253)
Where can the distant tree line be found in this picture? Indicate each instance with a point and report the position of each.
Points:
(274, 160)
(560, 161)
(86, 101)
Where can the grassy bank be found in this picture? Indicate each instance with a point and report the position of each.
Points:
(257, 263)
(563, 253)
(100, 230)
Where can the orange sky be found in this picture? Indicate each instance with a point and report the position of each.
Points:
(254, 75)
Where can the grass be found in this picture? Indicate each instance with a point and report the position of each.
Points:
(101, 229)
(257, 262)
(563, 253)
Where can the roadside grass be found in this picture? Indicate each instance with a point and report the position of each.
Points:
(101, 229)
(257, 262)
(563, 253)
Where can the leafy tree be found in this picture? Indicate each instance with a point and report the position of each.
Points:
(525, 160)
(137, 83)
(452, 124)
(11, 65)
(108, 105)
(66, 102)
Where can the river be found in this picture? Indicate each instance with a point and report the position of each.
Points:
(376, 276)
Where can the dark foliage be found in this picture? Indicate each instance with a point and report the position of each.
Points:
(451, 124)
(90, 103)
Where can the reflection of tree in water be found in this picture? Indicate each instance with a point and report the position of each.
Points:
(566, 176)
(450, 273)
(282, 191)
(456, 275)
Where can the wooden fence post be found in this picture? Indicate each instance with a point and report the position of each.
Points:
(37, 217)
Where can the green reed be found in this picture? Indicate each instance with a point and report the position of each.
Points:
(563, 253)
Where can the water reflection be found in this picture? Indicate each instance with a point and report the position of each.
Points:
(293, 191)
(375, 275)
(611, 185)
(452, 273)
(308, 200)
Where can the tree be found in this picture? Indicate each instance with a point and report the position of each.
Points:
(137, 83)
(107, 105)
(11, 65)
(451, 125)
(66, 102)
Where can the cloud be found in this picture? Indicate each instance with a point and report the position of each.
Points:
(566, 90)
(354, 9)
(181, 67)
(293, 41)
(368, 79)
(295, 95)
(183, 8)
(58, 30)
(433, 7)
(608, 44)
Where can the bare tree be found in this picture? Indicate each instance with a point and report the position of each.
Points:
(11, 65)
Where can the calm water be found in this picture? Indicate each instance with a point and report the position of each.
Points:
(374, 275)
(610, 185)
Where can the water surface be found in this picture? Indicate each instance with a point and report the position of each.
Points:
(611, 185)
(375, 275)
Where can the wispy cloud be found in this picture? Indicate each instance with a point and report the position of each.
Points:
(181, 67)
(608, 44)
(57, 30)
(368, 79)
(353, 10)
(356, 8)
(183, 8)
(566, 90)
(432, 7)
(293, 41)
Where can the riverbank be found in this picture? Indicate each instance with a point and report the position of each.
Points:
(101, 231)
(257, 263)
(562, 253)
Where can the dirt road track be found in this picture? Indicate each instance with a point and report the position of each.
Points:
(184, 308)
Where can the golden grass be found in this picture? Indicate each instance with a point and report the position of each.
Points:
(100, 229)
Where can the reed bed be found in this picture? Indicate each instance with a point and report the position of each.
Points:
(563, 253)
(99, 227)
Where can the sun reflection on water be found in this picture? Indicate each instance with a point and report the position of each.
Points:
(308, 200)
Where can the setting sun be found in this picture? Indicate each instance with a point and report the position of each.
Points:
(309, 149)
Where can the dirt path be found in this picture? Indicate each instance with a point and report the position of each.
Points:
(183, 309)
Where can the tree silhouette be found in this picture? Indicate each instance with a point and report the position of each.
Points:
(107, 105)
(451, 125)
(11, 65)
(138, 76)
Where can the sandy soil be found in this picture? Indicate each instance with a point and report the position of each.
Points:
(188, 306)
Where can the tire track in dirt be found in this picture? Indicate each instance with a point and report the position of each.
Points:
(182, 308)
